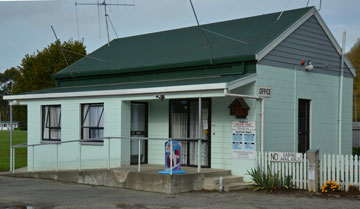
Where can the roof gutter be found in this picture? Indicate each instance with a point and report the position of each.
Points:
(138, 91)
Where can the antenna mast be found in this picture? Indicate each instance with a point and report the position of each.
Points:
(107, 17)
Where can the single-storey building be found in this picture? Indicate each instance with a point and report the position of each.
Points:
(267, 82)
(5, 125)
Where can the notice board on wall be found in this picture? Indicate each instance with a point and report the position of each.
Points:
(243, 139)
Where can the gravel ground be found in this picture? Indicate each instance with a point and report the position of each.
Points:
(21, 192)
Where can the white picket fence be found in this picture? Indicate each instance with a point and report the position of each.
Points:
(298, 170)
(343, 169)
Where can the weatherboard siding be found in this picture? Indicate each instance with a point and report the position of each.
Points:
(116, 123)
(323, 91)
(308, 42)
(158, 127)
(221, 132)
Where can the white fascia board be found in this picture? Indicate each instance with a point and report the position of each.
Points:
(284, 35)
(241, 82)
(139, 91)
(333, 41)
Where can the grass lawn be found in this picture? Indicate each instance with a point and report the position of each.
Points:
(19, 137)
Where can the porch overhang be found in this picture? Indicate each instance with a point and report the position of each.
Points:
(219, 84)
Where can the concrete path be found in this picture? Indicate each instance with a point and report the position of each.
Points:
(16, 192)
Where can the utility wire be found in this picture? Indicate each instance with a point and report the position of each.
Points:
(205, 40)
(224, 36)
(61, 49)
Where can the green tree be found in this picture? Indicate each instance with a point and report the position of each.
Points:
(7, 81)
(36, 69)
(35, 72)
(354, 57)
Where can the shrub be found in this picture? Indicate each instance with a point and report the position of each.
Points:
(269, 181)
(330, 186)
(356, 151)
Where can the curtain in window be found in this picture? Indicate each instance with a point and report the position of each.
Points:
(179, 126)
(194, 133)
(93, 121)
(52, 122)
(46, 130)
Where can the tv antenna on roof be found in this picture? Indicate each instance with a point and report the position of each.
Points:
(107, 17)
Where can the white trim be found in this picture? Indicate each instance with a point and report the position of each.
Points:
(241, 82)
(284, 35)
(139, 91)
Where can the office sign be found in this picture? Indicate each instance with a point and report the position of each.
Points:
(264, 91)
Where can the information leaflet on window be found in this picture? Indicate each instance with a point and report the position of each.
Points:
(243, 139)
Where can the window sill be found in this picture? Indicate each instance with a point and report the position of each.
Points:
(94, 143)
(50, 141)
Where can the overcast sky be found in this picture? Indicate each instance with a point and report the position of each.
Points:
(25, 25)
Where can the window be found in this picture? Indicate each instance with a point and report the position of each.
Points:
(51, 122)
(92, 123)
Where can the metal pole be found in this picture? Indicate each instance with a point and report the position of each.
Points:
(79, 156)
(57, 157)
(171, 157)
(199, 134)
(139, 162)
(109, 154)
(341, 90)
(33, 157)
(262, 123)
(13, 168)
(11, 139)
(295, 115)
(107, 26)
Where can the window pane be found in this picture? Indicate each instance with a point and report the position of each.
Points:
(45, 122)
(137, 117)
(55, 116)
(94, 116)
(55, 133)
(51, 119)
(97, 133)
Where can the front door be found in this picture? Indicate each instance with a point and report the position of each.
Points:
(184, 123)
(138, 129)
(304, 125)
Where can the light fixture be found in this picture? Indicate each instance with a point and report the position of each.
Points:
(160, 97)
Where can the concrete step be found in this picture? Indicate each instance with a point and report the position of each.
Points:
(212, 183)
(226, 180)
(217, 173)
(237, 186)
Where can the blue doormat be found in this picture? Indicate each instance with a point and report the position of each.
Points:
(174, 172)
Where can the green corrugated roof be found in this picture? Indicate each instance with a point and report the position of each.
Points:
(148, 84)
(184, 47)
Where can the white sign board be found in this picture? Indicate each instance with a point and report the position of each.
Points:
(264, 91)
(311, 171)
(243, 139)
(288, 157)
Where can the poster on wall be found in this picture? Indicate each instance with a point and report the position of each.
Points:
(243, 139)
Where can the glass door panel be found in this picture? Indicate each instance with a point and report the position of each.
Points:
(184, 123)
(138, 129)
(194, 132)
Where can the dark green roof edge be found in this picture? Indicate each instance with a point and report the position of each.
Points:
(202, 63)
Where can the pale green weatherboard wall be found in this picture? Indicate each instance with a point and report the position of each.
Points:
(117, 113)
(116, 122)
(323, 91)
(221, 132)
